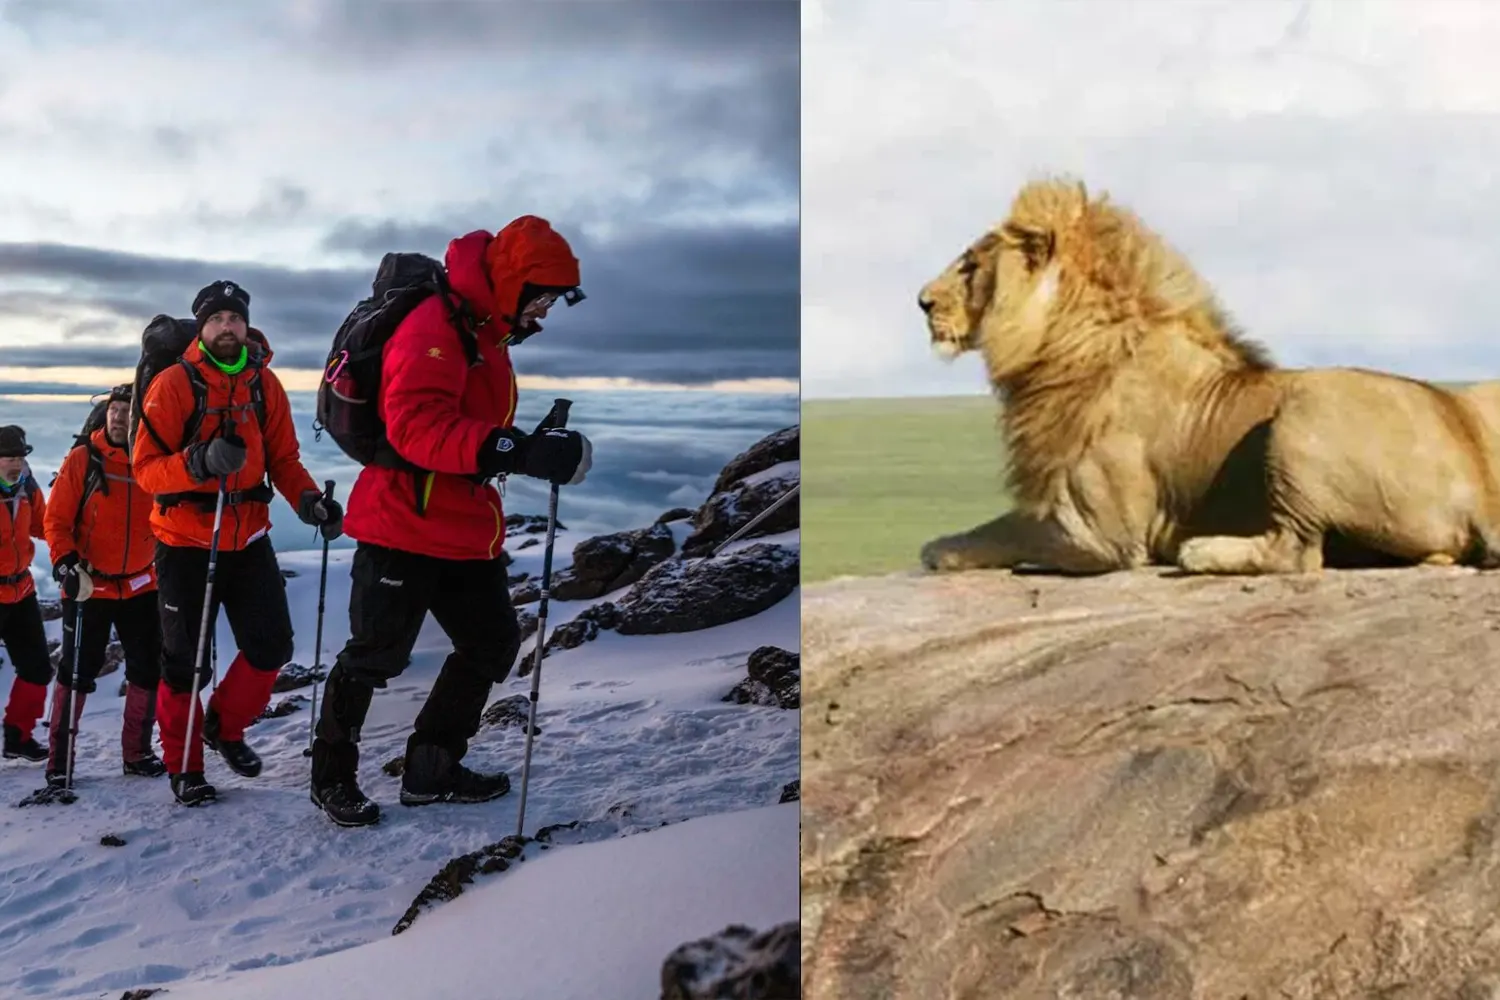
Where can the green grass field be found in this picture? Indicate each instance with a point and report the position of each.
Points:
(882, 476)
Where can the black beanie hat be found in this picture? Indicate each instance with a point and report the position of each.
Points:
(121, 393)
(13, 442)
(221, 295)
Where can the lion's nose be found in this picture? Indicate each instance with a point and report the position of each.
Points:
(924, 303)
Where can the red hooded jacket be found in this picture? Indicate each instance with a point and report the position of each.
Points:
(437, 411)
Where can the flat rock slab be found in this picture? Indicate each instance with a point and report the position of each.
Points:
(1152, 786)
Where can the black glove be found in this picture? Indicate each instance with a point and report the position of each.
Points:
(555, 454)
(324, 513)
(76, 585)
(559, 456)
(223, 456)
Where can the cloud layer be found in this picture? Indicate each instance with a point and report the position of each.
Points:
(289, 145)
(1327, 166)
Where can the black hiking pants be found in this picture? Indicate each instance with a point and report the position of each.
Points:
(392, 593)
(249, 587)
(25, 639)
(137, 621)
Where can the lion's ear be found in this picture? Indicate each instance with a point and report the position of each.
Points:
(1037, 245)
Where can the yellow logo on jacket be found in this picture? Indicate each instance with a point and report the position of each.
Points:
(435, 352)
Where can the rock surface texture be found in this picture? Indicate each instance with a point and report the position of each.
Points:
(1148, 786)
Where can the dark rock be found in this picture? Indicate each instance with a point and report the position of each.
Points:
(687, 595)
(287, 574)
(51, 609)
(114, 656)
(572, 634)
(736, 964)
(526, 593)
(791, 791)
(285, 706)
(449, 882)
(527, 621)
(529, 543)
(140, 994)
(395, 766)
(516, 578)
(111, 840)
(507, 712)
(295, 675)
(675, 514)
(124, 688)
(606, 563)
(528, 524)
(773, 449)
(725, 512)
(774, 679)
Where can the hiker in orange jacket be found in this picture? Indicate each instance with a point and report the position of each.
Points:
(99, 536)
(22, 506)
(245, 436)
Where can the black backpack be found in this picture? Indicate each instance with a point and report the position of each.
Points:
(162, 346)
(347, 394)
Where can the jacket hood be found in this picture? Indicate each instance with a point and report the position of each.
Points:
(528, 251)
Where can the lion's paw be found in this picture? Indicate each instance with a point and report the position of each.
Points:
(945, 555)
(1198, 555)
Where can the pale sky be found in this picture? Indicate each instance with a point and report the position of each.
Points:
(1330, 167)
(149, 148)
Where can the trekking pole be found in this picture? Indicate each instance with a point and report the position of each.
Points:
(756, 519)
(208, 596)
(318, 643)
(559, 414)
(69, 722)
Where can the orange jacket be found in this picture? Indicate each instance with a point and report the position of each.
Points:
(20, 521)
(167, 407)
(113, 528)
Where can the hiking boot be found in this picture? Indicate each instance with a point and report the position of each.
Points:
(149, 766)
(57, 779)
(345, 804)
(432, 774)
(236, 753)
(190, 788)
(14, 747)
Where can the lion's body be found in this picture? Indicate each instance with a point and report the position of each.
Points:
(1143, 429)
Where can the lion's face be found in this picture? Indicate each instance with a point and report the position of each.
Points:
(995, 278)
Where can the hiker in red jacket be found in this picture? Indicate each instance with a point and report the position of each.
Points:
(99, 536)
(432, 541)
(237, 442)
(22, 507)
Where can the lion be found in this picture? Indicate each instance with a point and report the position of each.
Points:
(1144, 428)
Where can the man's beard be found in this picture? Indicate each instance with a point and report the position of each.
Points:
(224, 346)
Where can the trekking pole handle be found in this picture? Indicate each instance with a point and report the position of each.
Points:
(328, 489)
(559, 415)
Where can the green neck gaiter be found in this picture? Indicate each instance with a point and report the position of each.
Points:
(228, 369)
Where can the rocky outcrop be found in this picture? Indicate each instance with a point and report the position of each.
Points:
(687, 595)
(450, 880)
(736, 964)
(773, 449)
(748, 485)
(297, 675)
(608, 562)
(1145, 786)
(774, 679)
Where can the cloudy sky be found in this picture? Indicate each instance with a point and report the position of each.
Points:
(1329, 166)
(147, 149)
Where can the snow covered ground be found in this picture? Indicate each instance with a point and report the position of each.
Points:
(632, 735)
